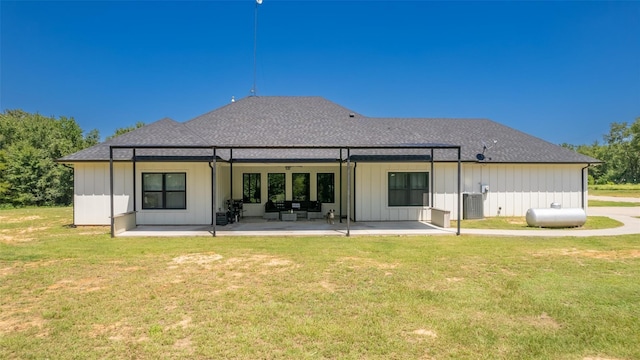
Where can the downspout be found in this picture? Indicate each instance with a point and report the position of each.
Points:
(111, 190)
(73, 196)
(213, 192)
(583, 187)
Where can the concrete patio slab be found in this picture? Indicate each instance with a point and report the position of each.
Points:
(629, 216)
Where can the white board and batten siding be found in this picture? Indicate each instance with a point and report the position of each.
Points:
(92, 193)
(91, 200)
(371, 183)
(513, 188)
(288, 169)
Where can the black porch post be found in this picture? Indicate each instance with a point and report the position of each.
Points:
(459, 183)
(214, 217)
(111, 189)
(134, 182)
(340, 183)
(348, 191)
(432, 187)
(231, 174)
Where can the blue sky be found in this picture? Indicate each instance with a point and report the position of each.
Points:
(561, 71)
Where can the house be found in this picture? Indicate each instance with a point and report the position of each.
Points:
(267, 150)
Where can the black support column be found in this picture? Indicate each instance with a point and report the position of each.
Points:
(348, 191)
(111, 189)
(214, 213)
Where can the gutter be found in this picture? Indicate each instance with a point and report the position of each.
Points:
(583, 186)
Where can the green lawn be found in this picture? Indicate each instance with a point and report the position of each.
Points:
(618, 190)
(520, 223)
(597, 203)
(76, 293)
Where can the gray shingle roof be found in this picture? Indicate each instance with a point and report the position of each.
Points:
(315, 121)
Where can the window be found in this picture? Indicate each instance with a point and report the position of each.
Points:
(276, 190)
(408, 188)
(301, 187)
(164, 190)
(326, 188)
(251, 188)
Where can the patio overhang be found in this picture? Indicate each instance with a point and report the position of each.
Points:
(213, 158)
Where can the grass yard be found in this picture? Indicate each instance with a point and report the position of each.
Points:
(617, 190)
(520, 223)
(597, 203)
(76, 293)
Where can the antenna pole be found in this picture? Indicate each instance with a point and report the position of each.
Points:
(255, 47)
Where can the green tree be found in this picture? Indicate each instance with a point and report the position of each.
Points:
(29, 147)
(124, 130)
(620, 153)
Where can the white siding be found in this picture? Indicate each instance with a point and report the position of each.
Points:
(371, 202)
(288, 170)
(198, 211)
(92, 194)
(92, 203)
(513, 188)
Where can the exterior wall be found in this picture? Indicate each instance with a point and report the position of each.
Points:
(371, 185)
(198, 211)
(91, 193)
(288, 170)
(513, 188)
(91, 197)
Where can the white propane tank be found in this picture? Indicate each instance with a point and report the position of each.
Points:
(556, 217)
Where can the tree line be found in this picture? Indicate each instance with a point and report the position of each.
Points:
(619, 152)
(30, 144)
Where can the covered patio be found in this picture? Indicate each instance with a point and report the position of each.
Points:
(261, 227)
(280, 228)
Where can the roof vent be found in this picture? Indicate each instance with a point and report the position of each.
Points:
(352, 115)
(233, 99)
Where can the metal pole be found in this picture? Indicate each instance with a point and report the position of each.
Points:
(231, 175)
(432, 187)
(340, 182)
(134, 181)
(255, 49)
(459, 184)
(111, 189)
(348, 192)
(214, 215)
(355, 181)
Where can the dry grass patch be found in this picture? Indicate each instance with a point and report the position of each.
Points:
(378, 297)
(14, 318)
(542, 321)
(594, 254)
